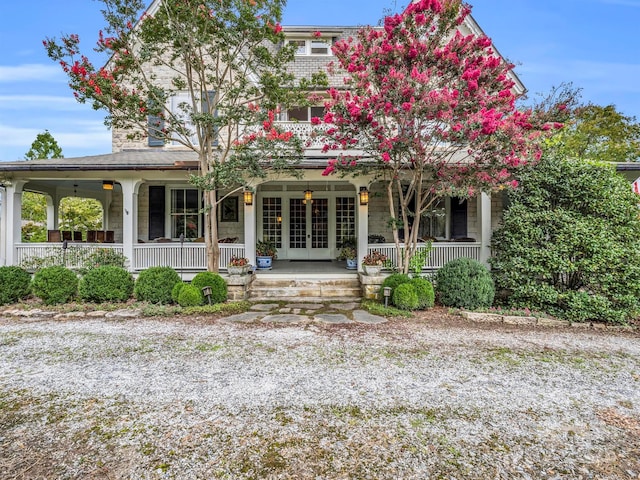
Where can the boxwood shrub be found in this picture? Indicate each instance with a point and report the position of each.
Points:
(55, 285)
(213, 280)
(424, 289)
(464, 283)
(155, 284)
(190, 296)
(393, 281)
(15, 284)
(405, 297)
(175, 292)
(106, 284)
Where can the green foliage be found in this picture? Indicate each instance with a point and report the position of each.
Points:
(213, 280)
(175, 291)
(464, 283)
(405, 297)
(190, 296)
(34, 217)
(15, 284)
(155, 284)
(44, 146)
(571, 231)
(101, 257)
(80, 258)
(106, 284)
(377, 308)
(600, 134)
(55, 285)
(80, 214)
(424, 289)
(419, 258)
(393, 281)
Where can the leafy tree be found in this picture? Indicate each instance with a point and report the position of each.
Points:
(34, 205)
(80, 214)
(570, 242)
(600, 133)
(44, 146)
(433, 109)
(230, 59)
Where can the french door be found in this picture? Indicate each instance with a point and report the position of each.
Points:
(309, 229)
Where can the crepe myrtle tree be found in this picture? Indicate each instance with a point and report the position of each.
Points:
(207, 75)
(433, 110)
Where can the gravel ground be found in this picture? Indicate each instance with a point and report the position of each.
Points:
(430, 397)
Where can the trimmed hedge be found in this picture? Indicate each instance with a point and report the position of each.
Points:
(55, 285)
(106, 284)
(405, 297)
(155, 284)
(190, 296)
(424, 289)
(213, 280)
(393, 281)
(464, 283)
(15, 284)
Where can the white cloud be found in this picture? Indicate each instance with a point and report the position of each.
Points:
(31, 72)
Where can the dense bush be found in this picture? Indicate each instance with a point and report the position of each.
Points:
(405, 297)
(393, 281)
(190, 296)
(155, 284)
(101, 257)
(464, 283)
(569, 243)
(106, 284)
(213, 280)
(55, 285)
(15, 284)
(424, 289)
(175, 292)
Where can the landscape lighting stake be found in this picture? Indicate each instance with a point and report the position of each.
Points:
(206, 291)
(387, 294)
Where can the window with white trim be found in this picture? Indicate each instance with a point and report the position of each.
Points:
(304, 114)
(312, 46)
(185, 205)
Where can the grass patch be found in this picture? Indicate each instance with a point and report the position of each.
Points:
(376, 308)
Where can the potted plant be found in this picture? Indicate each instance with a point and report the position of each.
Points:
(350, 254)
(374, 262)
(266, 251)
(238, 266)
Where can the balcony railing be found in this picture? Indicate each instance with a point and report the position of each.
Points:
(441, 252)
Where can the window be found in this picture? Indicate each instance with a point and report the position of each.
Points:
(304, 114)
(185, 213)
(315, 46)
(181, 106)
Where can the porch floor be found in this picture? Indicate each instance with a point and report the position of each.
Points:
(308, 269)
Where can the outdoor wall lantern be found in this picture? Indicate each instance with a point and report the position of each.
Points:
(248, 197)
(364, 196)
(386, 291)
(308, 194)
(107, 185)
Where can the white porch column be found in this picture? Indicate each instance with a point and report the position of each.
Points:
(484, 226)
(250, 231)
(129, 217)
(53, 209)
(3, 225)
(12, 220)
(362, 227)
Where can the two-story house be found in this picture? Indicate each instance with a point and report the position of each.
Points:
(149, 205)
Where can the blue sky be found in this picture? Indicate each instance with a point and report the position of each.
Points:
(592, 43)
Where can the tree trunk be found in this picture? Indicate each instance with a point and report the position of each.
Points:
(211, 236)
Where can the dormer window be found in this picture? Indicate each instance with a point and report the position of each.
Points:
(312, 46)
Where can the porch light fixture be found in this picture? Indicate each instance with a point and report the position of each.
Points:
(248, 197)
(364, 196)
(308, 194)
(107, 185)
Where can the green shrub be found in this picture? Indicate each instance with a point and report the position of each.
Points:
(424, 289)
(213, 280)
(101, 257)
(175, 292)
(190, 296)
(393, 281)
(15, 284)
(405, 297)
(464, 283)
(106, 284)
(55, 285)
(155, 284)
(585, 307)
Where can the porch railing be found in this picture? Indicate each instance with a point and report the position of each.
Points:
(36, 255)
(192, 256)
(441, 252)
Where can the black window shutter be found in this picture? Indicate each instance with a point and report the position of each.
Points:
(156, 212)
(458, 218)
(154, 124)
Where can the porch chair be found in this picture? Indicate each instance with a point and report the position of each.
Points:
(54, 236)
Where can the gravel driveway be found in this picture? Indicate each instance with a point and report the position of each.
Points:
(432, 397)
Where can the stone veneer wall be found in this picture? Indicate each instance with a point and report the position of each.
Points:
(115, 215)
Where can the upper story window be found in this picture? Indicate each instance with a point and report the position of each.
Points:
(312, 46)
(304, 114)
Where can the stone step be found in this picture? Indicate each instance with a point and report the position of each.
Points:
(282, 288)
